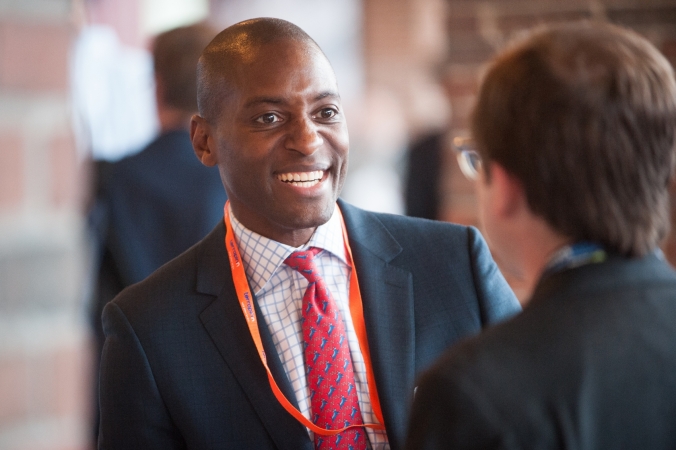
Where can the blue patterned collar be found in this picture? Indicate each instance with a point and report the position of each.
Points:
(575, 255)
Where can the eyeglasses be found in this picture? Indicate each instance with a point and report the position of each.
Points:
(469, 159)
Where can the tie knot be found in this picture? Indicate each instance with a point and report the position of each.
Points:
(303, 262)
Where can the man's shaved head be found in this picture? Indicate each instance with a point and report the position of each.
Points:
(272, 120)
(235, 45)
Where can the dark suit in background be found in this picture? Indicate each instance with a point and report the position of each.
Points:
(424, 168)
(150, 208)
(180, 369)
(563, 374)
(158, 203)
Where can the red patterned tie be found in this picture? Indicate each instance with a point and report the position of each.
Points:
(333, 395)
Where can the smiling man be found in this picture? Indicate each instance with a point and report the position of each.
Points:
(300, 322)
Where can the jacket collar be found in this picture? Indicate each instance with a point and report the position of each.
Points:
(615, 272)
(387, 295)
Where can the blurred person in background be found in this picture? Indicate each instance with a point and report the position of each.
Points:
(574, 135)
(425, 163)
(422, 191)
(274, 286)
(155, 204)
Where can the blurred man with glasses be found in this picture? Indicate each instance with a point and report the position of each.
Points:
(573, 154)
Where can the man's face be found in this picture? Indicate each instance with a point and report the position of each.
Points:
(281, 141)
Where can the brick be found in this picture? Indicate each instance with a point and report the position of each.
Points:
(461, 80)
(461, 88)
(468, 48)
(38, 279)
(11, 170)
(462, 107)
(66, 176)
(646, 16)
(14, 389)
(34, 56)
(388, 28)
(513, 24)
(59, 380)
(43, 385)
(462, 24)
(73, 370)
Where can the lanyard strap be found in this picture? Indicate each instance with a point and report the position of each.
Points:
(576, 255)
(356, 310)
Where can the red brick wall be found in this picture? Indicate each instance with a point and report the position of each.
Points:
(403, 41)
(45, 362)
(12, 166)
(32, 55)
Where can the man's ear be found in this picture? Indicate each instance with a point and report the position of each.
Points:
(202, 142)
(508, 195)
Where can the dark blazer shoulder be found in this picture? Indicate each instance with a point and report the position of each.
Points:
(442, 254)
(183, 278)
(587, 335)
(563, 305)
(453, 273)
(394, 219)
(407, 229)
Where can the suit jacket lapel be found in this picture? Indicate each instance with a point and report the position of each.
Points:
(387, 295)
(227, 327)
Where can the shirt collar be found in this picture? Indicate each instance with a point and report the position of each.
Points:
(262, 256)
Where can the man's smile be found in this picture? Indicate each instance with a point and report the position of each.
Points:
(302, 179)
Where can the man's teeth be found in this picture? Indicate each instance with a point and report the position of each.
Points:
(302, 179)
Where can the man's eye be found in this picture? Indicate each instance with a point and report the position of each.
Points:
(327, 113)
(268, 118)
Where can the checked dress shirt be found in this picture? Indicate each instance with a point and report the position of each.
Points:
(279, 290)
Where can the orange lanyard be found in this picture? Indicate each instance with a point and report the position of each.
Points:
(246, 302)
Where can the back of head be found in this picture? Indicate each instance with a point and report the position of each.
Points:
(234, 45)
(584, 115)
(175, 56)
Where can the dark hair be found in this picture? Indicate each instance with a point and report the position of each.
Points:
(175, 55)
(227, 49)
(584, 115)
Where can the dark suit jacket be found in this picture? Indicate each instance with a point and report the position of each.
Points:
(158, 203)
(180, 370)
(422, 192)
(589, 364)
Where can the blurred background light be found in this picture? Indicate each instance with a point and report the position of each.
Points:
(161, 15)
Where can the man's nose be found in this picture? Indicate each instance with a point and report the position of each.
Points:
(304, 136)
